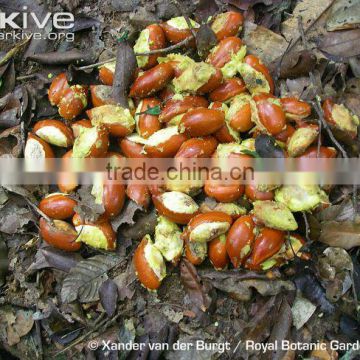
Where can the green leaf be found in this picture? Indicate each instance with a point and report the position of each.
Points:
(251, 153)
(124, 35)
(156, 110)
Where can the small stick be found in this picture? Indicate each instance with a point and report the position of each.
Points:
(317, 104)
(307, 227)
(180, 7)
(152, 52)
(104, 323)
(318, 109)
(38, 211)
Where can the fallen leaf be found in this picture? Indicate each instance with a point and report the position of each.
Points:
(335, 269)
(124, 72)
(354, 63)
(353, 86)
(17, 324)
(15, 215)
(188, 349)
(258, 328)
(125, 283)
(340, 234)
(108, 293)
(342, 44)
(84, 280)
(297, 64)
(87, 208)
(345, 14)
(135, 227)
(311, 289)
(205, 40)
(74, 56)
(7, 78)
(197, 290)
(302, 310)
(49, 257)
(350, 327)
(205, 9)
(127, 335)
(264, 43)
(310, 13)
(240, 286)
(266, 147)
(11, 142)
(280, 331)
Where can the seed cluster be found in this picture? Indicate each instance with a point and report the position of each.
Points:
(181, 107)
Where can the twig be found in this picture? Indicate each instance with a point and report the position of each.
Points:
(307, 227)
(182, 10)
(318, 109)
(38, 325)
(26, 77)
(38, 211)
(152, 52)
(317, 104)
(11, 53)
(356, 300)
(168, 49)
(105, 324)
(354, 201)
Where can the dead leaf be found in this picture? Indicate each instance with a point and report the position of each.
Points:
(49, 257)
(263, 42)
(302, 310)
(342, 44)
(125, 283)
(344, 15)
(85, 279)
(15, 215)
(108, 293)
(17, 324)
(205, 40)
(340, 234)
(7, 78)
(280, 331)
(87, 208)
(135, 227)
(297, 64)
(124, 72)
(307, 283)
(74, 56)
(354, 63)
(240, 286)
(335, 268)
(197, 290)
(310, 13)
(205, 9)
(11, 142)
(127, 335)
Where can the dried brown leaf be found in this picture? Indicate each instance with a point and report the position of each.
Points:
(340, 234)
(297, 64)
(341, 43)
(197, 290)
(84, 280)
